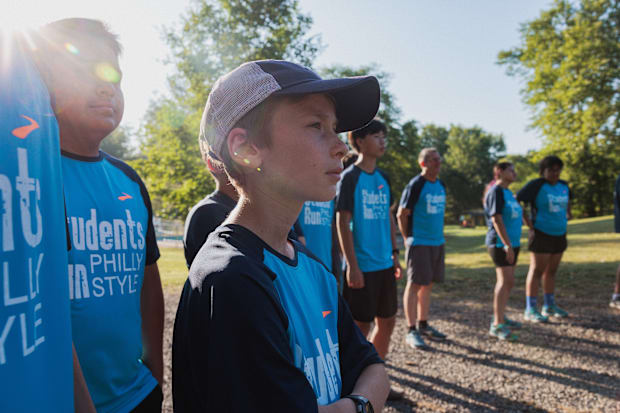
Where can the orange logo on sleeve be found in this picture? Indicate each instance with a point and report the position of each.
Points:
(124, 197)
(326, 313)
(23, 131)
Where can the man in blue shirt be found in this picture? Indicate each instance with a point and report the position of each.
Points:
(615, 298)
(36, 356)
(114, 286)
(420, 219)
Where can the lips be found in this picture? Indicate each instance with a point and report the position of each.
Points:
(103, 106)
(335, 173)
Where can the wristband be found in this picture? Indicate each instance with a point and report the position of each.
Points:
(507, 247)
(362, 404)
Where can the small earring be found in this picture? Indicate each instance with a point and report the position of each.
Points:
(246, 161)
(236, 153)
(258, 169)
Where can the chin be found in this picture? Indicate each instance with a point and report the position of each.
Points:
(324, 196)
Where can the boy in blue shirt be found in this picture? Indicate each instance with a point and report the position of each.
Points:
(260, 326)
(114, 285)
(549, 201)
(37, 364)
(420, 219)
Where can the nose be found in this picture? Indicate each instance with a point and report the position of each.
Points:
(105, 89)
(339, 150)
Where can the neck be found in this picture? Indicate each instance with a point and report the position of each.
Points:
(503, 184)
(428, 176)
(366, 163)
(227, 189)
(70, 142)
(269, 218)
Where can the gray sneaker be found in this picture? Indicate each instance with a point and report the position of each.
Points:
(615, 303)
(432, 333)
(415, 341)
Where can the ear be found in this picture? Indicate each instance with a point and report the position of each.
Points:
(423, 164)
(242, 152)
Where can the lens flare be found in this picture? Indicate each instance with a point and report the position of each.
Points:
(107, 73)
(71, 48)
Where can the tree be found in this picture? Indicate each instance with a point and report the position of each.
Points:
(118, 143)
(569, 58)
(212, 38)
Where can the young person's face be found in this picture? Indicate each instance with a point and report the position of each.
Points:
(373, 145)
(86, 90)
(304, 158)
(508, 175)
(552, 174)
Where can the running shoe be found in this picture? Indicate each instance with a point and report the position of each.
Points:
(534, 316)
(510, 323)
(432, 333)
(502, 332)
(615, 303)
(415, 341)
(553, 311)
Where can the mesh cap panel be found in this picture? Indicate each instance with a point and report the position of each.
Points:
(233, 95)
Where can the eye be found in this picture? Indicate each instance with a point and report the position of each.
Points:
(316, 125)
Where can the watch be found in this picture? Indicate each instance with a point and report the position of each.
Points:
(362, 404)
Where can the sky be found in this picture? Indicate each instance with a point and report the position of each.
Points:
(441, 55)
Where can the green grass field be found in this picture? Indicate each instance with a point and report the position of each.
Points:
(593, 254)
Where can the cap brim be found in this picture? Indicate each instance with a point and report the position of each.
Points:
(357, 98)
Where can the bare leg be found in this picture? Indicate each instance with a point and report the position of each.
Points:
(538, 264)
(424, 301)
(505, 282)
(410, 303)
(380, 336)
(617, 287)
(548, 278)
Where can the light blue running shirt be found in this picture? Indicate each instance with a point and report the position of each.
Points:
(304, 285)
(112, 238)
(36, 363)
(368, 197)
(500, 200)
(551, 209)
(316, 220)
(427, 201)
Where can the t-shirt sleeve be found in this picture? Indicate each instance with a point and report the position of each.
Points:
(528, 192)
(250, 364)
(411, 194)
(152, 250)
(495, 201)
(356, 353)
(346, 193)
(297, 228)
(201, 223)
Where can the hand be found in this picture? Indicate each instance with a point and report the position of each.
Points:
(355, 278)
(397, 270)
(510, 255)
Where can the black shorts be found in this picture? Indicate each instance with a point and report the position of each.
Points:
(498, 255)
(543, 243)
(151, 403)
(426, 264)
(376, 299)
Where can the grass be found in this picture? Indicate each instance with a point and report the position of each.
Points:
(588, 265)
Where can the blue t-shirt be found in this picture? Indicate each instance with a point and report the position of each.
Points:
(36, 364)
(501, 201)
(112, 239)
(257, 331)
(427, 202)
(316, 220)
(368, 198)
(549, 205)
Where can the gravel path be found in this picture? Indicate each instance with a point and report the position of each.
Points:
(564, 366)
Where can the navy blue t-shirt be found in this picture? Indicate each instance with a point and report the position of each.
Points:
(548, 203)
(368, 198)
(501, 201)
(202, 220)
(256, 331)
(427, 202)
(36, 364)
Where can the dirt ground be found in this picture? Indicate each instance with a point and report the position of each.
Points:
(564, 366)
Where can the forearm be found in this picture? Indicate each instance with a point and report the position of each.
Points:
(403, 222)
(393, 232)
(500, 228)
(81, 397)
(152, 308)
(346, 241)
